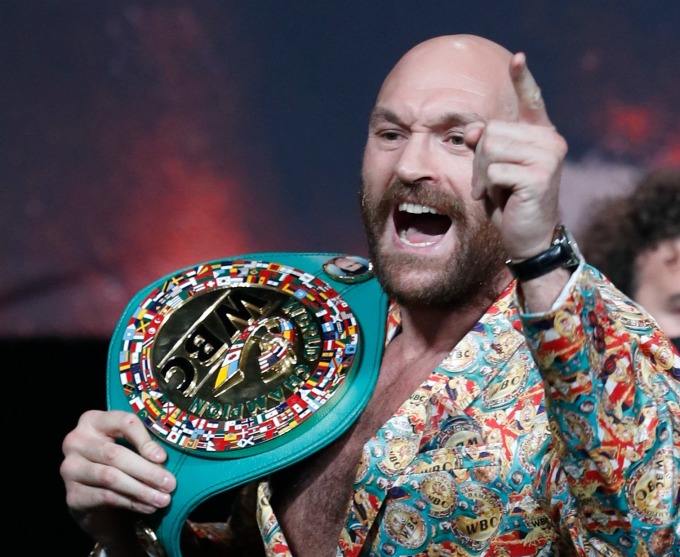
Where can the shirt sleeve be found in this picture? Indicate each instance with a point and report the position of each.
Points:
(612, 381)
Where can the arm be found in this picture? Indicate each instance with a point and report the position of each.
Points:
(613, 383)
(517, 172)
(612, 389)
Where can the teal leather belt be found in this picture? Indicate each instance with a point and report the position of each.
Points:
(244, 366)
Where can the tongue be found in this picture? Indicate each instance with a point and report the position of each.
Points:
(416, 236)
(426, 229)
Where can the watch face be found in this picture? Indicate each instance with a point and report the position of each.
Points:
(229, 356)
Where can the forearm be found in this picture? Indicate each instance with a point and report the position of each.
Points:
(614, 403)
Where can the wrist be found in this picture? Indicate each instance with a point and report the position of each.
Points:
(562, 253)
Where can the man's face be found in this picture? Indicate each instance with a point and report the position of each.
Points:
(430, 242)
(658, 284)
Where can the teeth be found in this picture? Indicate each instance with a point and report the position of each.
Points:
(402, 237)
(417, 209)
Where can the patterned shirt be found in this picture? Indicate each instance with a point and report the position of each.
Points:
(539, 434)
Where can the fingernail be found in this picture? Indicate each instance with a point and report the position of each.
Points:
(161, 499)
(165, 482)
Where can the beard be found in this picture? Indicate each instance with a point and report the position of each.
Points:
(468, 275)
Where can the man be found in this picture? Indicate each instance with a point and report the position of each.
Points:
(635, 241)
(507, 418)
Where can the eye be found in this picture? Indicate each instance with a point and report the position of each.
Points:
(456, 139)
(389, 135)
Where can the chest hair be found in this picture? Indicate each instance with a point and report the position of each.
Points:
(311, 497)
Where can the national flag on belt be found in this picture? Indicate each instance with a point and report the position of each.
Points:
(136, 403)
(123, 358)
(175, 301)
(159, 428)
(151, 405)
(306, 278)
(296, 404)
(311, 402)
(203, 270)
(142, 313)
(129, 332)
(300, 293)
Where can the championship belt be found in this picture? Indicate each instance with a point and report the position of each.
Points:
(244, 366)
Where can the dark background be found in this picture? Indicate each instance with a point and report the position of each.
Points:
(141, 137)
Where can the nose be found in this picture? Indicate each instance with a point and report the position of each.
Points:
(416, 161)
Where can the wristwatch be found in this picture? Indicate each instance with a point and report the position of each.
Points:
(563, 252)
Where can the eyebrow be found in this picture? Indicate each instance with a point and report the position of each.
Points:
(446, 120)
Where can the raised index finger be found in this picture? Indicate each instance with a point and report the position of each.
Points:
(531, 105)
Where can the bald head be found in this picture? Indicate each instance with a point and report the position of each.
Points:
(454, 46)
(461, 65)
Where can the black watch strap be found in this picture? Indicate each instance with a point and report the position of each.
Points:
(563, 252)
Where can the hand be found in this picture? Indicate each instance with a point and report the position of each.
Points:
(105, 480)
(517, 168)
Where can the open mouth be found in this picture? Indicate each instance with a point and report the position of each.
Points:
(420, 225)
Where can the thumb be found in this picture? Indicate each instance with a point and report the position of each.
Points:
(473, 133)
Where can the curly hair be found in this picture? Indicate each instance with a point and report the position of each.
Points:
(620, 229)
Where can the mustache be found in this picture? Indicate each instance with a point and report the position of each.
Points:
(446, 202)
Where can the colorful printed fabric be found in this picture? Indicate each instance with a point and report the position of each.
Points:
(492, 456)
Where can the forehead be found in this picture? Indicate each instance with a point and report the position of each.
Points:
(448, 77)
